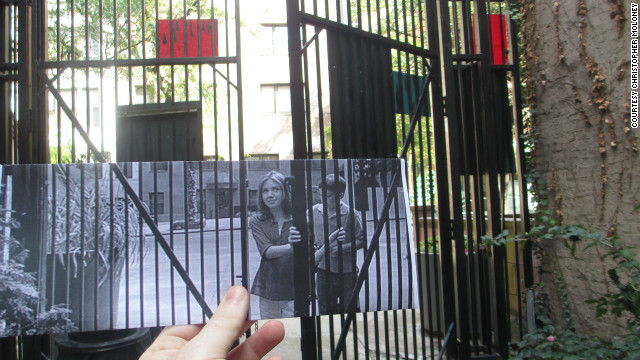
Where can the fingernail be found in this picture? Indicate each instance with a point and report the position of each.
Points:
(235, 295)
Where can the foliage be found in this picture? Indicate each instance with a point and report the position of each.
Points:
(430, 247)
(88, 224)
(624, 275)
(554, 341)
(626, 278)
(550, 341)
(68, 155)
(19, 296)
(328, 142)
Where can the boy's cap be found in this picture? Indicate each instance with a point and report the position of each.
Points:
(330, 183)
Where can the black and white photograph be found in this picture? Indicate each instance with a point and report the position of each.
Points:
(121, 246)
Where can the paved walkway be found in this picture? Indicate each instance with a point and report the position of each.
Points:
(406, 347)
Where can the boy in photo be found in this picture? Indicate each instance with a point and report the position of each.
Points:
(336, 279)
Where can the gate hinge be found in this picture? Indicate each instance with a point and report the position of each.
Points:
(444, 106)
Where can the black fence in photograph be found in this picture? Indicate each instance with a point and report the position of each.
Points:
(103, 265)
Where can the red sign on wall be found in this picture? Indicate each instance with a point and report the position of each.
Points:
(201, 38)
(498, 39)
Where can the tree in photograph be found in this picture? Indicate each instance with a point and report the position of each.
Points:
(19, 296)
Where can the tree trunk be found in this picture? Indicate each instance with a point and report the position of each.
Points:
(577, 58)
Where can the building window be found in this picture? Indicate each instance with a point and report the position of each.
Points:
(156, 199)
(160, 166)
(253, 201)
(127, 169)
(263, 161)
(207, 165)
(275, 39)
(276, 99)
(95, 117)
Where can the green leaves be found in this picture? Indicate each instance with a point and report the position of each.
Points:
(568, 344)
(622, 299)
(19, 297)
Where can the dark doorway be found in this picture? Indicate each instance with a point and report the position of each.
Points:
(159, 132)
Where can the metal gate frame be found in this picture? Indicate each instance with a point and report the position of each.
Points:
(482, 278)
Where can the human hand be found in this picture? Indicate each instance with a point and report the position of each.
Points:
(213, 340)
(339, 234)
(294, 235)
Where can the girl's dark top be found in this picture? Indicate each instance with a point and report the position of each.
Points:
(274, 279)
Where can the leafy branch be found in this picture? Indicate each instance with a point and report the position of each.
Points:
(625, 273)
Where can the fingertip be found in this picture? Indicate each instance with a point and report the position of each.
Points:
(275, 328)
(235, 295)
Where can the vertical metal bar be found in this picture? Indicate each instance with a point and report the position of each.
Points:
(307, 97)
(112, 263)
(399, 248)
(96, 245)
(301, 253)
(156, 196)
(463, 81)
(157, 48)
(379, 18)
(186, 167)
(375, 212)
(217, 225)
(358, 14)
(517, 256)
(480, 226)
(186, 54)
(434, 237)
(171, 32)
(54, 229)
(369, 16)
(129, 48)
(296, 84)
(436, 10)
(127, 257)
(493, 196)
(81, 325)
(73, 107)
(244, 238)
(389, 289)
(420, 71)
(202, 220)
(141, 244)
(520, 154)
(456, 32)
(171, 244)
(351, 220)
(24, 80)
(144, 49)
(467, 28)
(67, 244)
(420, 230)
(231, 229)
(323, 154)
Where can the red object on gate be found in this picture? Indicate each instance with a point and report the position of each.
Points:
(498, 39)
(201, 38)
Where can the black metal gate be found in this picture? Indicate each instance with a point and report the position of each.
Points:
(436, 83)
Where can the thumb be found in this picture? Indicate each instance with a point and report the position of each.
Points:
(225, 326)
